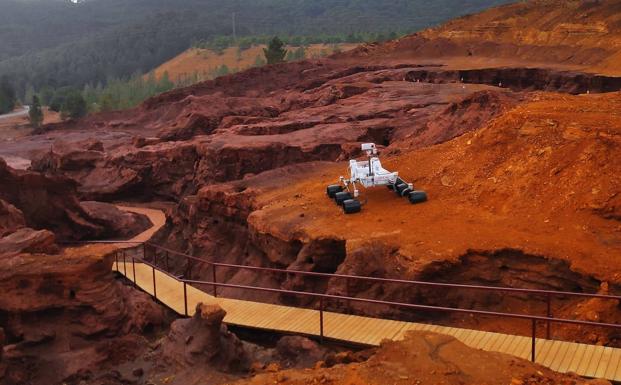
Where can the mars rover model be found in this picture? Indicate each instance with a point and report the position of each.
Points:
(370, 173)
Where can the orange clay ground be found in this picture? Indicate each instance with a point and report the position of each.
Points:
(543, 178)
(424, 358)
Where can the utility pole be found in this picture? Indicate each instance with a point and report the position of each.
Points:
(234, 29)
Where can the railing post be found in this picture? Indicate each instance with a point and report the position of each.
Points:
(154, 289)
(321, 320)
(185, 298)
(215, 284)
(549, 314)
(134, 271)
(534, 329)
(124, 264)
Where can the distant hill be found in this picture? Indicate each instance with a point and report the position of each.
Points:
(572, 34)
(58, 43)
(204, 64)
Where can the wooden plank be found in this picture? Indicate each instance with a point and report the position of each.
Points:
(613, 373)
(572, 359)
(585, 359)
(603, 362)
(474, 337)
(523, 347)
(491, 341)
(495, 347)
(387, 331)
(594, 362)
(365, 327)
(551, 353)
(508, 344)
(343, 329)
(562, 352)
(399, 325)
(460, 333)
(484, 340)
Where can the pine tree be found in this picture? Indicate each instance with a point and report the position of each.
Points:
(35, 113)
(7, 96)
(74, 105)
(275, 52)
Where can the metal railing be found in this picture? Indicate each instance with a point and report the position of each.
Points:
(186, 279)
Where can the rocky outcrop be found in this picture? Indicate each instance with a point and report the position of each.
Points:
(204, 340)
(69, 306)
(50, 202)
(46, 203)
(27, 240)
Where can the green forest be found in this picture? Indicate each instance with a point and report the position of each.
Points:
(99, 44)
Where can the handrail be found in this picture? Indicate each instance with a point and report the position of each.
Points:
(392, 280)
(405, 304)
(533, 318)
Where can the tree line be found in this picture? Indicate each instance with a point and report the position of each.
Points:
(123, 93)
(93, 41)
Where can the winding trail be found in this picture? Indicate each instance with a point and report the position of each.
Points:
(15, 114)
(157, 218)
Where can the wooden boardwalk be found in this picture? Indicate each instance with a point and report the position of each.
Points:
(585, 360)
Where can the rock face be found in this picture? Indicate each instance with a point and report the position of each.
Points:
(46, 203)
(70, 307)
(426, 358)
(30, 199)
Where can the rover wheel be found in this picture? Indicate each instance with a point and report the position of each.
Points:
(341, 197)
(400, 188)
(351, 206)
(406, 192)
(333, 189)
(417, 197)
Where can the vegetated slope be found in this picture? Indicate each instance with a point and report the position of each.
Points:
(205, 63)
(58, 43)
(580, 34)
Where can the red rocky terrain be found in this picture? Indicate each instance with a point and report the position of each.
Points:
(508, 119)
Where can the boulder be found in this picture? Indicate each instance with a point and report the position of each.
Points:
(299, 351)
(203, 339)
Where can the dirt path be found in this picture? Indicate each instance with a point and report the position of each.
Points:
(23, 112)
(157, 218)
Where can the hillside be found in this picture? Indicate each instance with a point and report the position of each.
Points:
(204, 63)
(98, 39)
(582, 35)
